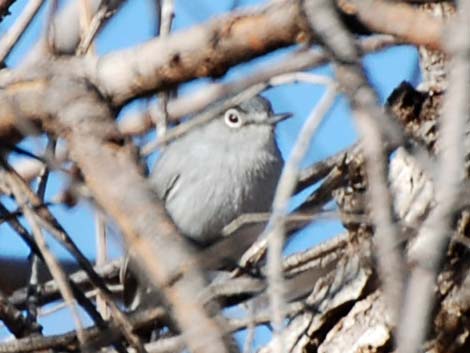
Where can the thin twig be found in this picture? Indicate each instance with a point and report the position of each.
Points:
(12, 318)
(55, 269)
(213, 112)
(175, 343)
(89, 33)
(12, 37)
(166, 15)
(101, 258)
(69, 339)
(33, 292)
(85, 17)
(258, 249)
(297, 61)
(50, 223)
(284, 191)
(44, 177)
(121, 319)
(203, 118)
(196, 102)
(109, 273)
(32, 167)
(250, 334)
(29, 240)
(34, 280)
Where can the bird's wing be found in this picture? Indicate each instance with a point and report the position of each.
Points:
(166, 174)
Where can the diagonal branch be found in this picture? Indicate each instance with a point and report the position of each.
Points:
(12, 37)
(102, 156)
(207, 50)
(284, 191)
(56, 271)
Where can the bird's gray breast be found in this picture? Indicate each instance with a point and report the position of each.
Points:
(204, 189)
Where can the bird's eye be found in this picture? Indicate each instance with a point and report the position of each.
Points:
(232, 118)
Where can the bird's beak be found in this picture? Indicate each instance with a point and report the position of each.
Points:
(274, 119)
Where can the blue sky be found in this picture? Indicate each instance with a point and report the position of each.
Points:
(135, 24)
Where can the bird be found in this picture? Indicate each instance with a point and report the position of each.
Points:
(219, 171)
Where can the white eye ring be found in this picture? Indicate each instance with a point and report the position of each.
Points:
(233, 119)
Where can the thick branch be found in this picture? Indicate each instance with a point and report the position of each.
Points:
(206, 50)
(209, 50)
(402, 20)
(111, 173)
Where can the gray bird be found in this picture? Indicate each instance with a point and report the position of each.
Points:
(221, 170)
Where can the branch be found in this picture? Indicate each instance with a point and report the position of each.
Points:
(68, 341)
(284, 191)
(208, 50)
(402, 20)
(49, 290)
(202, 51)
(67, 29)
(14, 319)
(96, 146)
(304, 271)
(14, 34)
(56, 271)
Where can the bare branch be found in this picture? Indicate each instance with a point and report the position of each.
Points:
(49, 258)
(10, 38)
(284, 191)
(101, 258)
(304, 59)
(14, 319)
(67, 39)
(49, 289)
(166, 15)
(202, 118)
(186, 55)
(401, 20)
(104, 12)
